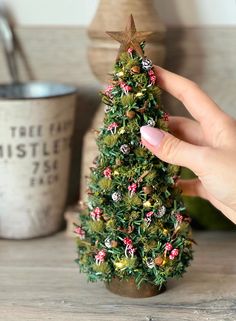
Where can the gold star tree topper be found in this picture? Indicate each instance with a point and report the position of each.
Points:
(130, 38)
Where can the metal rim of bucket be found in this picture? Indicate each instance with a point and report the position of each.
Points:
(35, 90)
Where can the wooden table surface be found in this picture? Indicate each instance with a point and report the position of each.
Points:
(40, 281)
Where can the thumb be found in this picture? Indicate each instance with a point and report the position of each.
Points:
(173, 150)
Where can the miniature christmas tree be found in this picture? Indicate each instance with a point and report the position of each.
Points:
(135, 226)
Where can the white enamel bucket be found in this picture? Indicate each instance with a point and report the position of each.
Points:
(36, 127)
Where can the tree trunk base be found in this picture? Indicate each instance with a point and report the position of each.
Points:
(129, 288)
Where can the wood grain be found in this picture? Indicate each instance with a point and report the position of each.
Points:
(205, 55)
(40, 281)
(101, 45)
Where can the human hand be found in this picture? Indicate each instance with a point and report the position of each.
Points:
(206, 145)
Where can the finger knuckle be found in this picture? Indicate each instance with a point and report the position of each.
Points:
(171, 148)
(205, 157)
(190, 87)
(230, 126)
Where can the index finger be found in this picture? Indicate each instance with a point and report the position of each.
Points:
(200, 106)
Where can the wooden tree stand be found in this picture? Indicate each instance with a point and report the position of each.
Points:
(128, 288)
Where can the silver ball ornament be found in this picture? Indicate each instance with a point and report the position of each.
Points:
(150, 263)
(161, 211)
(125, 149)
(151, 122)
(108, 243)
(116, 196)
(107, 109)
(147, 64)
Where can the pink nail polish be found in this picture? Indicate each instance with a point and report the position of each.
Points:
(152, 135)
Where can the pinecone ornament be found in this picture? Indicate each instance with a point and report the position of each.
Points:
(158, 260)
(130, 114)
(147, 189)
(135, 69)
(118, 162)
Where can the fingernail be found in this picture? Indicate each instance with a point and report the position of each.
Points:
(152, 135)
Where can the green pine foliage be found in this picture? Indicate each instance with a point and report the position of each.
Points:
(135, 225)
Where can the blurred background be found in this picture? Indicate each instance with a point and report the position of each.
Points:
(65, 41)
(186, 13)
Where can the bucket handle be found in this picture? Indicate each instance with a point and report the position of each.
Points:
(7, 37)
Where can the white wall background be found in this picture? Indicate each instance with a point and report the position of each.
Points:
(80, 12)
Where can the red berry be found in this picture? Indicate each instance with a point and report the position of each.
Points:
(166, 116)
(98, 211)
(179, 217)
(149, 214)
(127, 241)
(175, 252)
(168, 247)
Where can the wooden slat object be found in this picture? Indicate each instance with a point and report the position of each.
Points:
(39, 281)
(112, 15)
(205, 55)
